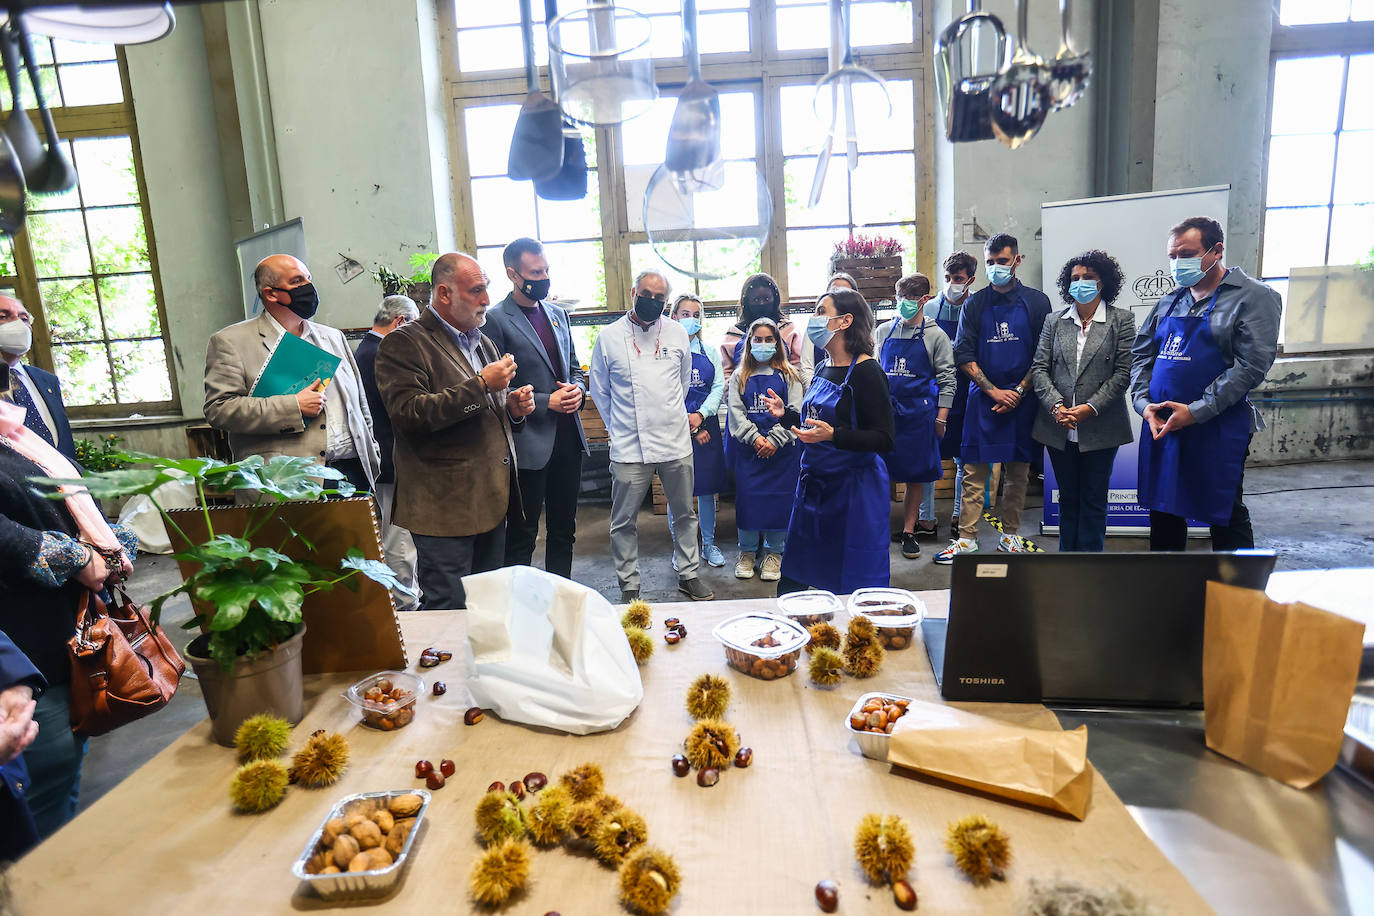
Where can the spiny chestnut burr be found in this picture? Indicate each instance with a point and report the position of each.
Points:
(497, 786)
(423, 768)
(440, 688)
(447, 767)
(709, 776)
(904, 895)
(828, 896)
(435, 780)
(517, 789)
(744, 756)
(681, 766)
(472, 716)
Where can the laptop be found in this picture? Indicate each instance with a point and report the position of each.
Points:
(1081, 629)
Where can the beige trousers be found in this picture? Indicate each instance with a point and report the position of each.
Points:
(1015, 475)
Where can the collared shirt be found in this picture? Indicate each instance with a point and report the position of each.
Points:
(639, 381)
(339, 443)
(468, 341)
(1245, 326)
(18, 371)
(938, 348)
(1080, 341)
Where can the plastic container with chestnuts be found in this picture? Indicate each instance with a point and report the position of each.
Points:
(386, 699)
(877, 712)
(895, 613)
(809, 607)
(764, 646)
(401, 810)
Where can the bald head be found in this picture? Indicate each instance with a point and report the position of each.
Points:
(280, 270)
(460, 290)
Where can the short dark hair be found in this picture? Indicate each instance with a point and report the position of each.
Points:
(961, 261)
(858, 337)
(518, 249)
(913, 286)
(841, 275)
(1109, 276)
(1209, 228)
(999, 241)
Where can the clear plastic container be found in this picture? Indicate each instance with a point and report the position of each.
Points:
(386, 699)
(361, 884)
(873, 743)
(809, 607)
(764, 646)
(894, 611)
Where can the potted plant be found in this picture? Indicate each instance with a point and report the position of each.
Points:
(102, 454)
(875, 263)
(247, 599)
(415, 283)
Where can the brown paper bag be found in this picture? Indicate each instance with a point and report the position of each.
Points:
(1048, 769)
(1276, 682)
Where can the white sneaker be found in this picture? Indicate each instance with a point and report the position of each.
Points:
(744, 567)
(956, 547)
(712, 555)
(772, 568)
(1014, 543)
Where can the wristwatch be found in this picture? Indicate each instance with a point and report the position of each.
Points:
(1019, 390)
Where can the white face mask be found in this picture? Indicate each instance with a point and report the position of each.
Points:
(955, 291)
(15, 338)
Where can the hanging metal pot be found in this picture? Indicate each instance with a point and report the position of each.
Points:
(601, 76)
(964, 96)
(1070, 72)
(1020, 96)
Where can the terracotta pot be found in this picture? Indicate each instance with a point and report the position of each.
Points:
(270, 682)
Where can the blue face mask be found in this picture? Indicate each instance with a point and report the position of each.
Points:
(1188, 271)
(908, 308)
(818, 330)
(763, 352)
(691, 325)
(1083, 291)
(999, 274)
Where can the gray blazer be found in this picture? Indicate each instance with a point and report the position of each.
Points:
(1100, 379)
(512, 333)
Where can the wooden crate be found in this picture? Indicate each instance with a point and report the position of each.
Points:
(592, 423)
(944, 487)
(875, 278)
(660, 501)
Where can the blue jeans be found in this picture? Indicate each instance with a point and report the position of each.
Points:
(1082, 478)
(54, 762)
(773, 541)
(706, 519)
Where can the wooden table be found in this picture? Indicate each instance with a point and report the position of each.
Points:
(166, 840)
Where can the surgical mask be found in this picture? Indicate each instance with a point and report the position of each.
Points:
(955, 291)
(763, 352)
(691, 325)
(1188, 271)
(534, 290)
(908, 308)
(999, 274)
(305, 301)
(15, 338)
(648, 309)
(818, 330)
(1083, 291)
(756, 310)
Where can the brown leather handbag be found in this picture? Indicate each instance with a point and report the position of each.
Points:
(123, 665)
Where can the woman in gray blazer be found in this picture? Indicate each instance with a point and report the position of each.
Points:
(1081, 369)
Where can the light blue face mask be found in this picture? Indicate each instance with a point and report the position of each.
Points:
(999, 274)
(908, 308)
(763, 352)
(690, 324)
(818, 330)
(1188, 271)
(1083, 291)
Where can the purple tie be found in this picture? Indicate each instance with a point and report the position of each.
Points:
(32, 418)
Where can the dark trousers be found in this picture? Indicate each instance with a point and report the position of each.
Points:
(1170, 532)
(54, 762)
(352, 469)
(1082, 478)
(552, 489)
(443, 562)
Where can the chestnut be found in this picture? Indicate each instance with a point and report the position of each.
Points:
(428, 661)
(681, 766)
(440, 688)
(827, 896)
(670, 622)
(473, 715)
(423, 768)
(744, 756)
(435, 780)
(904, 895)
(681, 630)
(384, 685)
(444, 655)
(535, 781)
(671, 637)
(517, 789)
(708, 776)
(497, 786)
(447, 767)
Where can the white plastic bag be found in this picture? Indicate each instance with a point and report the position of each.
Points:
(547, 651)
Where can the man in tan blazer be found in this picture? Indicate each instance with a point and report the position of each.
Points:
(329, 423)
(447, 391)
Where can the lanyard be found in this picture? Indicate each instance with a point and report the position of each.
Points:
(634, 343)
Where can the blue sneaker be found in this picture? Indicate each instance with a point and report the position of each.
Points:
(712, 555)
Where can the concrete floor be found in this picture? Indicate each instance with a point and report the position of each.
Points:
(1317, 515)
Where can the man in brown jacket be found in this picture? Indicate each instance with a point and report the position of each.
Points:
(447, 391)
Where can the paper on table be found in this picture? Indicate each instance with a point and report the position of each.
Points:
(293, 365)
(1048, 769)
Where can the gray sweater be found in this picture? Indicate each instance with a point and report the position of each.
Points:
(744, 430)
(938, 348)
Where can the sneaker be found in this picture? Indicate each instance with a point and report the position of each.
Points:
(744, 567)
(910, 549)
(772, 567)
(695, 589)
(629, 594)
(923, 532)
(956, 547)
(712, 555)
(1014, 543)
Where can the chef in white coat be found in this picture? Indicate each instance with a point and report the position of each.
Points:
(640, 371)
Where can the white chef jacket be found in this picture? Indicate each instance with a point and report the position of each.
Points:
(639, 382)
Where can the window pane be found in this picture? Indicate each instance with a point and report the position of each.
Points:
(808, 260)
(1307, 93)
(1359, 93)
(737, 133)
(1300, 170)
(1306, 12)
(70, 52)
(493, 12)
(106, 166)
(578, 271)
(1294, 238)
(802, 130)
(642, 139)
(6, 256)
(833, 208)
(733, 204)
(140, 371)
(85, 374)
(730, 257)
(722, 33)
(488, 130)
(1362, 10)
(499, 49)
(71, 309)
(884, 188)
(805, 26)
(130, 306)
(59, 244)
(118, 240)
(499, 283)
(1352, 234)
(571, 219)
(881, 24)
(91, 84)
(644, 257)
(69, 199)
(1354, 180)
(502, 210)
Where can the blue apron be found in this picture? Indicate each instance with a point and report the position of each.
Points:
(1192, 472)
(952, 443)
(838, 536)
(732, 447)
(708, 461)
(1005, 350)
(915, 455)
(764, 487)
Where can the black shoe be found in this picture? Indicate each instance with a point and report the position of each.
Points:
(629, 594)
(910, 549)
(695, 589)
(925, 533)
(954, 528)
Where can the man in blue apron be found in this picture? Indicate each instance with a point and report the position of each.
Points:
(996, 340)
(1203, 349)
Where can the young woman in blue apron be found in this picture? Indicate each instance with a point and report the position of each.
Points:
(1191, 472)
(767, 456)
(837, 538)
(703, 402)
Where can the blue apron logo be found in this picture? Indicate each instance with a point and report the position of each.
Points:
(1003, 334)
(759, 405)
(1173, 349)
(813, 412)
(899, 366)
(696, 378)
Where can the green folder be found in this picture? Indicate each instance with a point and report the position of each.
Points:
(294, 365)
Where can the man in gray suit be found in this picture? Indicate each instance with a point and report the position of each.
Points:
(536, 332)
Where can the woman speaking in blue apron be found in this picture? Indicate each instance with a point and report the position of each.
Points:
(837, 538)
(704, 394)
(919, 361)
(767, 456)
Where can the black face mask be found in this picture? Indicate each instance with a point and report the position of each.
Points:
(648, 309)
(756, 310)
(534, 290)
(305, 301)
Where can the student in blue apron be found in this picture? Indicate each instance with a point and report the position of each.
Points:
(837, 537)
(1197, 357)
(919, 361)
(767, 456)
(813, 355)
(995, 345)
(704, 394)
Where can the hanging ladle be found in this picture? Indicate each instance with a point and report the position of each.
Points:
(58, 174)
(1069, 71)
(842, 77)
(13, 201)
(1020, 97)
(27, 148)
(694, 135)
(536, 146)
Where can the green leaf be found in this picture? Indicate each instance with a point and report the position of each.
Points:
(310, 545)
(375, 570)
(290, 477)
(107, 484)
